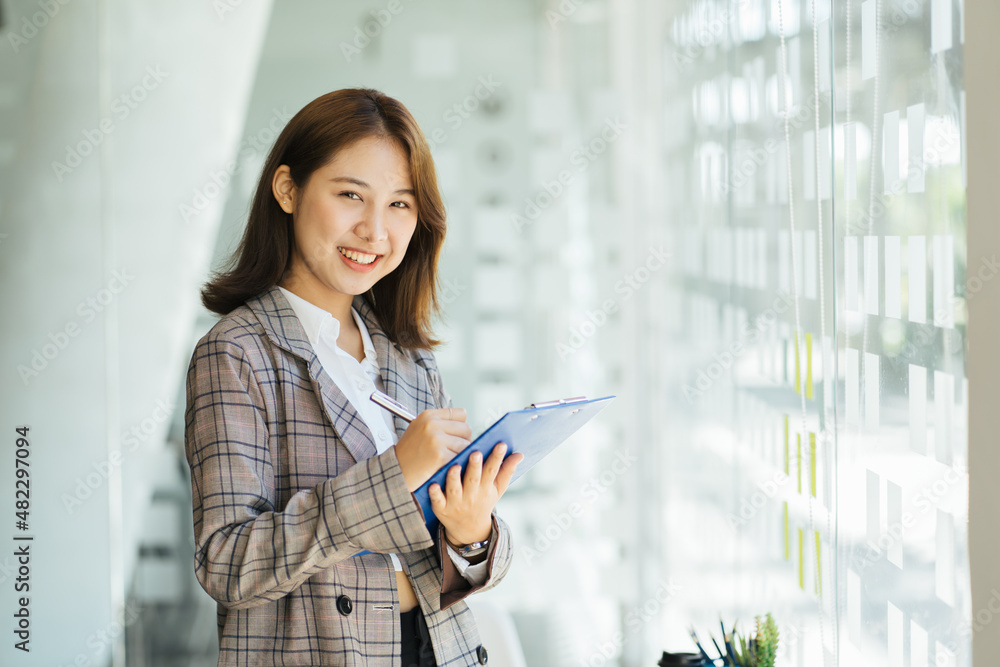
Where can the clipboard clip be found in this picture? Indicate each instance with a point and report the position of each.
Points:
(561, 401)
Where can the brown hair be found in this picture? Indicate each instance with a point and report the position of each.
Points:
(405, 299)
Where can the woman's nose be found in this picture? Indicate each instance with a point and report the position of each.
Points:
(372, 228)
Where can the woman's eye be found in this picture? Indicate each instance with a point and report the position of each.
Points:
(350, 195)
(401, 204)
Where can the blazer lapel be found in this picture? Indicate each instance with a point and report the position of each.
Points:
(397, 369)
(285, 331)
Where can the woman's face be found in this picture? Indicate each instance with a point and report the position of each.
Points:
(353, 219)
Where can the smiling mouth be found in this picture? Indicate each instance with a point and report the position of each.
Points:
(358, 257)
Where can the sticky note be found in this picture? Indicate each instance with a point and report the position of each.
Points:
(852, 386)
(809, 263)
(798, 458)
(824, 162)
(809, 165)
(871, 275)
(962, 130)
(919, 646)
(850, 161)
(890, 152)
(788, 547)
(892, 277)
(873, 507)
(794, 62)
(944, 281)
(802, 563)
(894, 635)
(812, 464)
(762, 262)
(798, 373)
(787, 465)
(915, 167)
(894, 519)
(940, 25)
(944, 558)
(784, 262)
(916, 286)
(869, 27)
(854, 608)
(779, 175)
(809, 367)
(819, 564)
(944, 400)
(799, 263)
(826, 369)
(961, 21)
(918, 409)
(872, 388)
(823, 55)
(851, 273)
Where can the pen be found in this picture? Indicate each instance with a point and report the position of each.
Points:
(392, 406)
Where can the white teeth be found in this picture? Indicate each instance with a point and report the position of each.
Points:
(359, 257)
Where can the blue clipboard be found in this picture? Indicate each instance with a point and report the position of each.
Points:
(534, 432)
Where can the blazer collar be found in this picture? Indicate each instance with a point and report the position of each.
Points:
(284, 329)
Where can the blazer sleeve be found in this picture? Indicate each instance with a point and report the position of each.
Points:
(454, 586)
(249, 552)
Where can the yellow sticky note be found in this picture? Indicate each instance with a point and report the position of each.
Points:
(798, 437)
(798, 376)
(819, 567)
(788, 542)
(787, 468)
(812, 464)
(802, 570)
(809, 366)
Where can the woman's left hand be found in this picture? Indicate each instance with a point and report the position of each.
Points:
(465, 506)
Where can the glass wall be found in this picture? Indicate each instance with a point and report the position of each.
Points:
(812, 169)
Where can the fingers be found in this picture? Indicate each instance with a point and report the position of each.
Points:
(438, 420)
(474, 470)
(437, 498)
(454, 445)
(493, 463)
(457, 429)
(507, 472)
(449, 414)
(453, 484)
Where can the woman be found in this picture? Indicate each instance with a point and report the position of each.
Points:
(294, 470)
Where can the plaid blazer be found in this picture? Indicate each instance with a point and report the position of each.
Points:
(287, 486)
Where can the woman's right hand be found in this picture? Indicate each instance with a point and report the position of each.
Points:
(429, 442)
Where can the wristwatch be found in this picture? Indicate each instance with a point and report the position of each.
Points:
(473, 549)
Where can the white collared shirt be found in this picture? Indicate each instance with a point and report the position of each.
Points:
(358, 380)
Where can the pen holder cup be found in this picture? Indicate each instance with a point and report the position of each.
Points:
(683, 660)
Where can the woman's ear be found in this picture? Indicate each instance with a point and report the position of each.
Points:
(283, 188)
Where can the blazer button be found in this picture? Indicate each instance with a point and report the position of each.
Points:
(344, 605)
(482, 655)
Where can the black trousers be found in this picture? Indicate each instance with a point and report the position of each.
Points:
(417, 648)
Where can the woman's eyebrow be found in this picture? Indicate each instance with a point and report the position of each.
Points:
(362, 184)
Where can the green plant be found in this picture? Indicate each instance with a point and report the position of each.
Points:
(760, 649)
(767, 642)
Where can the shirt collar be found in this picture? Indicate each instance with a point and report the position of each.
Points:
(320, 324)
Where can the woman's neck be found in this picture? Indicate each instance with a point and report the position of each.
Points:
(335, 303)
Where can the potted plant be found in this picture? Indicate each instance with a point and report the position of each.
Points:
(756, 650)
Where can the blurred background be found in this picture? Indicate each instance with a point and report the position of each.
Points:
(745, 218)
